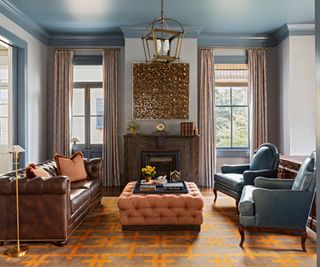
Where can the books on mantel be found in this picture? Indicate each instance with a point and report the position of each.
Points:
(173, 186)
(148, 187)
(188, 129)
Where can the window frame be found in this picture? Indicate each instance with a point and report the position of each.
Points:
(233, 151)
(87, 86)
(231, 106)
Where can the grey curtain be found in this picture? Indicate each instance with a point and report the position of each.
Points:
(257, 98)
(207, 119)
(62, 99)
(110, 133)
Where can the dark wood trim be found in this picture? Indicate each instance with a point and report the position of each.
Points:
(286, 231)
(196, 228)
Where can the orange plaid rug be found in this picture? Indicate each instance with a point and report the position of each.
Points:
(99, 242)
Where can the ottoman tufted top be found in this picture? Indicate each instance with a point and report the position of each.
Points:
(129, 201)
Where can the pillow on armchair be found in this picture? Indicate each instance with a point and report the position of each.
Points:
(72, 167)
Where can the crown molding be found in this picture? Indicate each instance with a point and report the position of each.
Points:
(86, 40)
(24, 21)
(136, 31)
(235, 40)
(293, 30)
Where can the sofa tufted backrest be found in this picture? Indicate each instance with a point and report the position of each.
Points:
(266, 158)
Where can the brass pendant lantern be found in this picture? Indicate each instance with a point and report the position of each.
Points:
(162, 39)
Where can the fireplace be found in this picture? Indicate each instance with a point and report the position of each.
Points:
(164, 161)
(167, 153)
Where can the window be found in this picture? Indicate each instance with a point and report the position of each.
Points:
(4, 103)
(231, 107)
(87, 107)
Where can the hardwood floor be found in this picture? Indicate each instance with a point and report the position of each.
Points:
(115, 191)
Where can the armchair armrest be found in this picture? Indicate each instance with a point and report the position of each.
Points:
(282, 208)
(93, 168)
(273, 183)
(250, 176)
(241, 168)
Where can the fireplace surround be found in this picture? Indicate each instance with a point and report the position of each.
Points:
(164, 152)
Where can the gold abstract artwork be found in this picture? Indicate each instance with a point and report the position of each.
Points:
(161, 91)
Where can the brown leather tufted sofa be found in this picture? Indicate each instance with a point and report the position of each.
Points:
(50, 208)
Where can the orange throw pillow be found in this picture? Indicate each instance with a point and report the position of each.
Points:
(33, 171)
(72, 167)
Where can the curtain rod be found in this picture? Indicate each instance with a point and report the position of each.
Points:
(88, 49)
(228, 47)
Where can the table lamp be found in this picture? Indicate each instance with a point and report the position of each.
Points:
(74, 140)
(18, 251)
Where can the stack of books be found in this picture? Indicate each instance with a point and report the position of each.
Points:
(187, 128)
(148, 187)
(173, 186)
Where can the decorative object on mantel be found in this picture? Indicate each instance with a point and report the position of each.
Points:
(161, 91)
(160, 129)
(132, 128)
(164, 35)
(18, 251)
(175, 176)
(188, 129)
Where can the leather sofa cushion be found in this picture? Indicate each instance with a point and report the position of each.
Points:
(79, 197)
(94, 186)
(232, 181)
(246, 203)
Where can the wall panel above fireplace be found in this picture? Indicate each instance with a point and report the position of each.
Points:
(137, 147)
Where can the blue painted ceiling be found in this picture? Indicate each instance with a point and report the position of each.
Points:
(216, 16)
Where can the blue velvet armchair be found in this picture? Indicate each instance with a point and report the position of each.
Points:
(233, 178)
(279, 204)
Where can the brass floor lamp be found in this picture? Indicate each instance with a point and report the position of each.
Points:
(18, 251)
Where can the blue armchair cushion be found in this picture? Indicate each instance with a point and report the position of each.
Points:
(233, 181)
(246, 203)
(264, 159)
(273, 183)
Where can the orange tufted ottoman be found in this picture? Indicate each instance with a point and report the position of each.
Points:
(161, 212)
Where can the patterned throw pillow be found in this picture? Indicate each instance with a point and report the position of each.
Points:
(72, 167)
(34, 171)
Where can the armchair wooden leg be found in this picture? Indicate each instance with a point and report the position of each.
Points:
(237, 204)
(303, 240)
(215, 195)
(241, 231)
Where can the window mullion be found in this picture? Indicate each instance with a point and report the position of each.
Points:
(231, 119)
(87, 115)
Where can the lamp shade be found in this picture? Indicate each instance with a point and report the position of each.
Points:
(74, 140)
(15, 149)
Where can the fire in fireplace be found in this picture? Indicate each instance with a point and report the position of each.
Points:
(164, 161)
